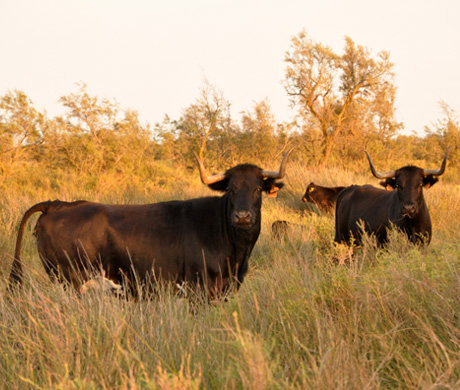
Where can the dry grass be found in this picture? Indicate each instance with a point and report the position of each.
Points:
(380, 319)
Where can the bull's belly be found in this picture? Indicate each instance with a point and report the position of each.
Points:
(78, 260)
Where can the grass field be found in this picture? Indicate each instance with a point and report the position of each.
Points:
(376, 319)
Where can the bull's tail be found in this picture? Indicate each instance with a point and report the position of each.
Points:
(16, 270)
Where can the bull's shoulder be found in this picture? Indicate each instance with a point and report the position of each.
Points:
(368, 189)
(349, 189)
(365, 195)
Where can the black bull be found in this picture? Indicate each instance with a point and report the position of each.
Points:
(205, 242)
(377, 209)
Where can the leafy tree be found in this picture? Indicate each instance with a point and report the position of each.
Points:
(340, 97)
(261, 138)
(206, 124)
(445, 133)
(96, 136)
(132, 143)
(166, 134)
(21, 130)
(88, 125)
(89, 114)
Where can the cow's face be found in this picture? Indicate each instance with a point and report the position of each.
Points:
(309, 193)
(243, 186)
(409, 182)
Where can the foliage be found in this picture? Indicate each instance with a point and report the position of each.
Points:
(445, 133)
(342, 100)
(94, 137)
(206, 121)
(22, 129)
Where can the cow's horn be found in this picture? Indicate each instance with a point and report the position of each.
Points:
(282, 171)
(379, 175)
(440, 171)
(204, 177)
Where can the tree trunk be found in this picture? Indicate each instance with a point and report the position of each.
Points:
(328, 142)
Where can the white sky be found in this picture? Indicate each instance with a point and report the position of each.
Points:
(153, 56)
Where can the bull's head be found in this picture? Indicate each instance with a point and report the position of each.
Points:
(243, 186)
(409, 181)
(307, 197)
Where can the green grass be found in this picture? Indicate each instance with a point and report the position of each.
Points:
(309, 315)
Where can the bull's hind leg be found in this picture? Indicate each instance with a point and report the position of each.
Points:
(52, 269)
(65, 272)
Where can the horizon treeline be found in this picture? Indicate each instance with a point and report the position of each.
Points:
(344, 105)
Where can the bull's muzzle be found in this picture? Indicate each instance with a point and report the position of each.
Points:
(242, 218)
(409, 210)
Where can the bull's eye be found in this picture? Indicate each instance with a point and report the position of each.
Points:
(311, 189)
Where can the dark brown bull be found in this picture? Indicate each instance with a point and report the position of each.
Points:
(323, 197)
(204, 242)
(404, 207)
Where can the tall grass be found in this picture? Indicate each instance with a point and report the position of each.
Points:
(375, 319)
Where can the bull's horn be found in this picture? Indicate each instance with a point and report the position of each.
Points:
(440, 171)
(379, 175)
(282, 171)
(204, 177)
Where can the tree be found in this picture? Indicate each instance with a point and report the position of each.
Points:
(445, 133)
(206, 124)
(132, 143)
(259, 131)
(97, 136)
(340, 95)
(89, 114)
(89, 122)
(21, 129)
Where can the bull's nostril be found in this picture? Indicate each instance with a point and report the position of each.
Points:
(242, 217)
(408, 208)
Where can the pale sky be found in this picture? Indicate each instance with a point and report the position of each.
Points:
(153, 56)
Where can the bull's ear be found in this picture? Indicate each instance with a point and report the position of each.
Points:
(219, 186)
(389, 184)
(273, 192)
(271, 187)
(429, 181)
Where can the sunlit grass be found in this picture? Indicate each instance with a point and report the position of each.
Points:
(309, 315)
